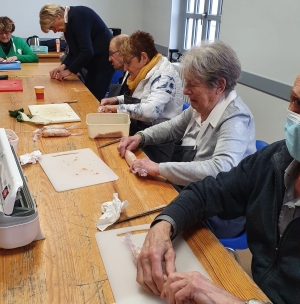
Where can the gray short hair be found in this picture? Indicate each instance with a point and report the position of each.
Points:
(119, 39)
(211, 61)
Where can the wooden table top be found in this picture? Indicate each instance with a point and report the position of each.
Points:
(66, 267)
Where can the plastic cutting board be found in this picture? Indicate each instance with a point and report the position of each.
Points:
(121, 270)
(56, 113)
(75, 169)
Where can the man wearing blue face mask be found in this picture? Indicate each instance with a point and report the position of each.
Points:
(264, 187)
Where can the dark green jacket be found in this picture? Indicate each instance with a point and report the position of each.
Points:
(20, 49)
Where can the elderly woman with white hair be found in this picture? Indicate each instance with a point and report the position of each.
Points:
(213, 135)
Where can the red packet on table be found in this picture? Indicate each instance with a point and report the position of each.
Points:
(11, 86)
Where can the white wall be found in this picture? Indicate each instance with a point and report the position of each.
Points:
(269, 113)
(153, 16)
(265, 34)
(125, 14)
(157, 20)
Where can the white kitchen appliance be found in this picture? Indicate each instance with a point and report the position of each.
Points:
(19, 221)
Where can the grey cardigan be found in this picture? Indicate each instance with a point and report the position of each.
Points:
(222, 146)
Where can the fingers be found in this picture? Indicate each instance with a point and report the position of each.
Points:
(176, 291)
(100, 109)
(126, 143)
(109, 101)
(104, 101)
(170, 262)
(147, 165)
(53, 73)
(150, 274)
(145, 273)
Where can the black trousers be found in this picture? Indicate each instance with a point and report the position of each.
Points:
(98, 81)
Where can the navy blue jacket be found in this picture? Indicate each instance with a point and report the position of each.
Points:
(88, 39)
(255, 189)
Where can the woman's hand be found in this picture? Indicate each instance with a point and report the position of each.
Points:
(11, 59)
(108, 109)
(54, 72)
(193, 287)
(109, 101)
(62, 75)
(128, 143)
(157, 248)
(146, 164)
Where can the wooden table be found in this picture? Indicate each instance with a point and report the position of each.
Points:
(50, 57)
(66, 267)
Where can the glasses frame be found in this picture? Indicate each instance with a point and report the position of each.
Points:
(112, 52)
(129, 60)
(5, 33)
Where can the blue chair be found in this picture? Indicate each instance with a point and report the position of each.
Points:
(240, 242)
(185, 105)
(116, 76)
(115, 79)
(236, 243)
(260, 144)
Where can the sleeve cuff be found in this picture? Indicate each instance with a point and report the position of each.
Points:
(120, 99)
(167, 219)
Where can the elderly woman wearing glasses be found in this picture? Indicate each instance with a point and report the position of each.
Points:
(213, 135)
(155, 90)
(88, 39)
(13, 48)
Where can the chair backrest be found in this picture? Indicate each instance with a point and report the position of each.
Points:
(116, 76)
(260, 144)
(236, 243)
(185, 105)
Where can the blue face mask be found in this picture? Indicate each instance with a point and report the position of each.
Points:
(292, 134)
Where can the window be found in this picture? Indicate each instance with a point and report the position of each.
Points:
(202, 21)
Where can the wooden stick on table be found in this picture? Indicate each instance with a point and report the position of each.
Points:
(159, 208)
(110, 143)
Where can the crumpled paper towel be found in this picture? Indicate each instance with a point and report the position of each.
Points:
(111, 212)
(30, 157)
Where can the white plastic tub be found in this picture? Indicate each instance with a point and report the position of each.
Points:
(13, 139)
(107, 124)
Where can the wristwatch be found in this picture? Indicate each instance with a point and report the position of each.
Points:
(254, 301)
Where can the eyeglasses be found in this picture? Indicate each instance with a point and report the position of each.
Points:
(112, 52)
(129, 60)
(5, 33)
(295, 99)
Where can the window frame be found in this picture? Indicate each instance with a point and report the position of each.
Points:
(204, 18)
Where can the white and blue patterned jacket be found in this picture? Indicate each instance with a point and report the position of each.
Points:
(160, 95)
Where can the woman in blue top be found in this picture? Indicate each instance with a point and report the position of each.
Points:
(88, 39)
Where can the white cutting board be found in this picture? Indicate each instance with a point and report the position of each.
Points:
(75, 169)
(57, 113)
(121, 271)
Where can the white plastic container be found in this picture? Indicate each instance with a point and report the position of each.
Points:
(13, 139)
(107, 124)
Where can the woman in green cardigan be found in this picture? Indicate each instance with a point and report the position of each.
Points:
(13, 48)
